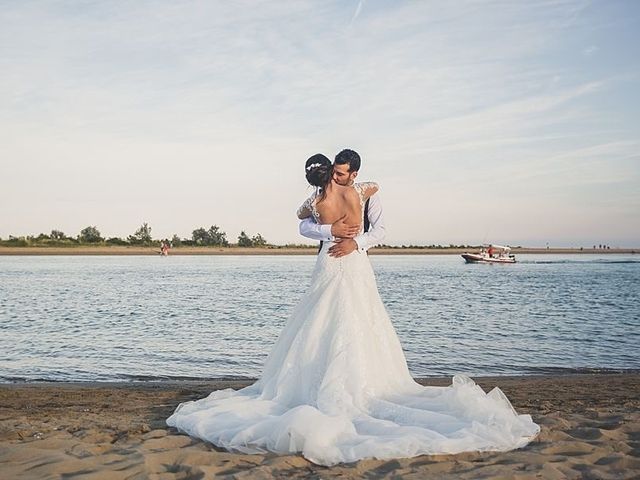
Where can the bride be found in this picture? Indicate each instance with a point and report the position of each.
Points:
(336, 386)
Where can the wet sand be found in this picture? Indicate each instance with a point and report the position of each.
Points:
(590, 429)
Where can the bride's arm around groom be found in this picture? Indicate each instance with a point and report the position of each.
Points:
(339, 230)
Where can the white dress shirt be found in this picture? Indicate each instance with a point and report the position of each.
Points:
(322, 232)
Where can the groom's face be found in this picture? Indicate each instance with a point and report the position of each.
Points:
(342, 175)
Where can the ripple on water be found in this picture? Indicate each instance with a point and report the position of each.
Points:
(109, 318)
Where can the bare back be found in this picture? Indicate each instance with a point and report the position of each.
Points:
(338, 202)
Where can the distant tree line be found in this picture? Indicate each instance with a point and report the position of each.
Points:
(432, 246)
(214, 236)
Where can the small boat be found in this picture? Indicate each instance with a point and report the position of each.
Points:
(490, 254)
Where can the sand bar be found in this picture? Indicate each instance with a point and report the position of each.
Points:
(119, 250)
(590, 429)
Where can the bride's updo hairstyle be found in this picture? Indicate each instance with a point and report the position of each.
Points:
(318, 170)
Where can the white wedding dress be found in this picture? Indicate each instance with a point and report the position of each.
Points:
(336, 387)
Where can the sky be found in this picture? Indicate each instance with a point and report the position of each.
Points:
(509, 122)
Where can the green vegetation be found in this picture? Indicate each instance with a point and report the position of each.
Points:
(255, 241)
(176, 241)
(90, 235)
(55, 239)
(142, 236)
(214, 236)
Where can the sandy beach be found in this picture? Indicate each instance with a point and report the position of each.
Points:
(590, 430)
(120, 250)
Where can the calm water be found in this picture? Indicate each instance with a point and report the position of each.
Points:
(114, 318)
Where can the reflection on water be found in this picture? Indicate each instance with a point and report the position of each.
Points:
(108, 318)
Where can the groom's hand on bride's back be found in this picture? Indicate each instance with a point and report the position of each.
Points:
(340, 229)
(342, 247)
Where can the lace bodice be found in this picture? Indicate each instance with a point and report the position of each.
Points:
(362, 188)
(310, 203)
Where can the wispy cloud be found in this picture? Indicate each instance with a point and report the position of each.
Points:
(206, 101)
(356, 14)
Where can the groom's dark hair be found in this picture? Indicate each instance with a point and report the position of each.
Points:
(350, 157)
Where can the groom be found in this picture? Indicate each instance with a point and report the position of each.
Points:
(345, 170)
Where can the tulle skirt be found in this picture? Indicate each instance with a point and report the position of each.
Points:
(336, 388)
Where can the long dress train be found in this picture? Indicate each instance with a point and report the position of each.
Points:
(336, 387)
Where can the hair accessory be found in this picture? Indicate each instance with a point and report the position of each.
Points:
(314, 165)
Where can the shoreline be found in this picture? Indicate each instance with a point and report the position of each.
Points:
(240, 381)
(209, 384)
(241, 251)
(590, 427)
(232, 382)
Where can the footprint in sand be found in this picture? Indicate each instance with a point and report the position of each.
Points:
(569, 449)
(585, 433)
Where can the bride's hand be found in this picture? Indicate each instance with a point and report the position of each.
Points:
(340, 229)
